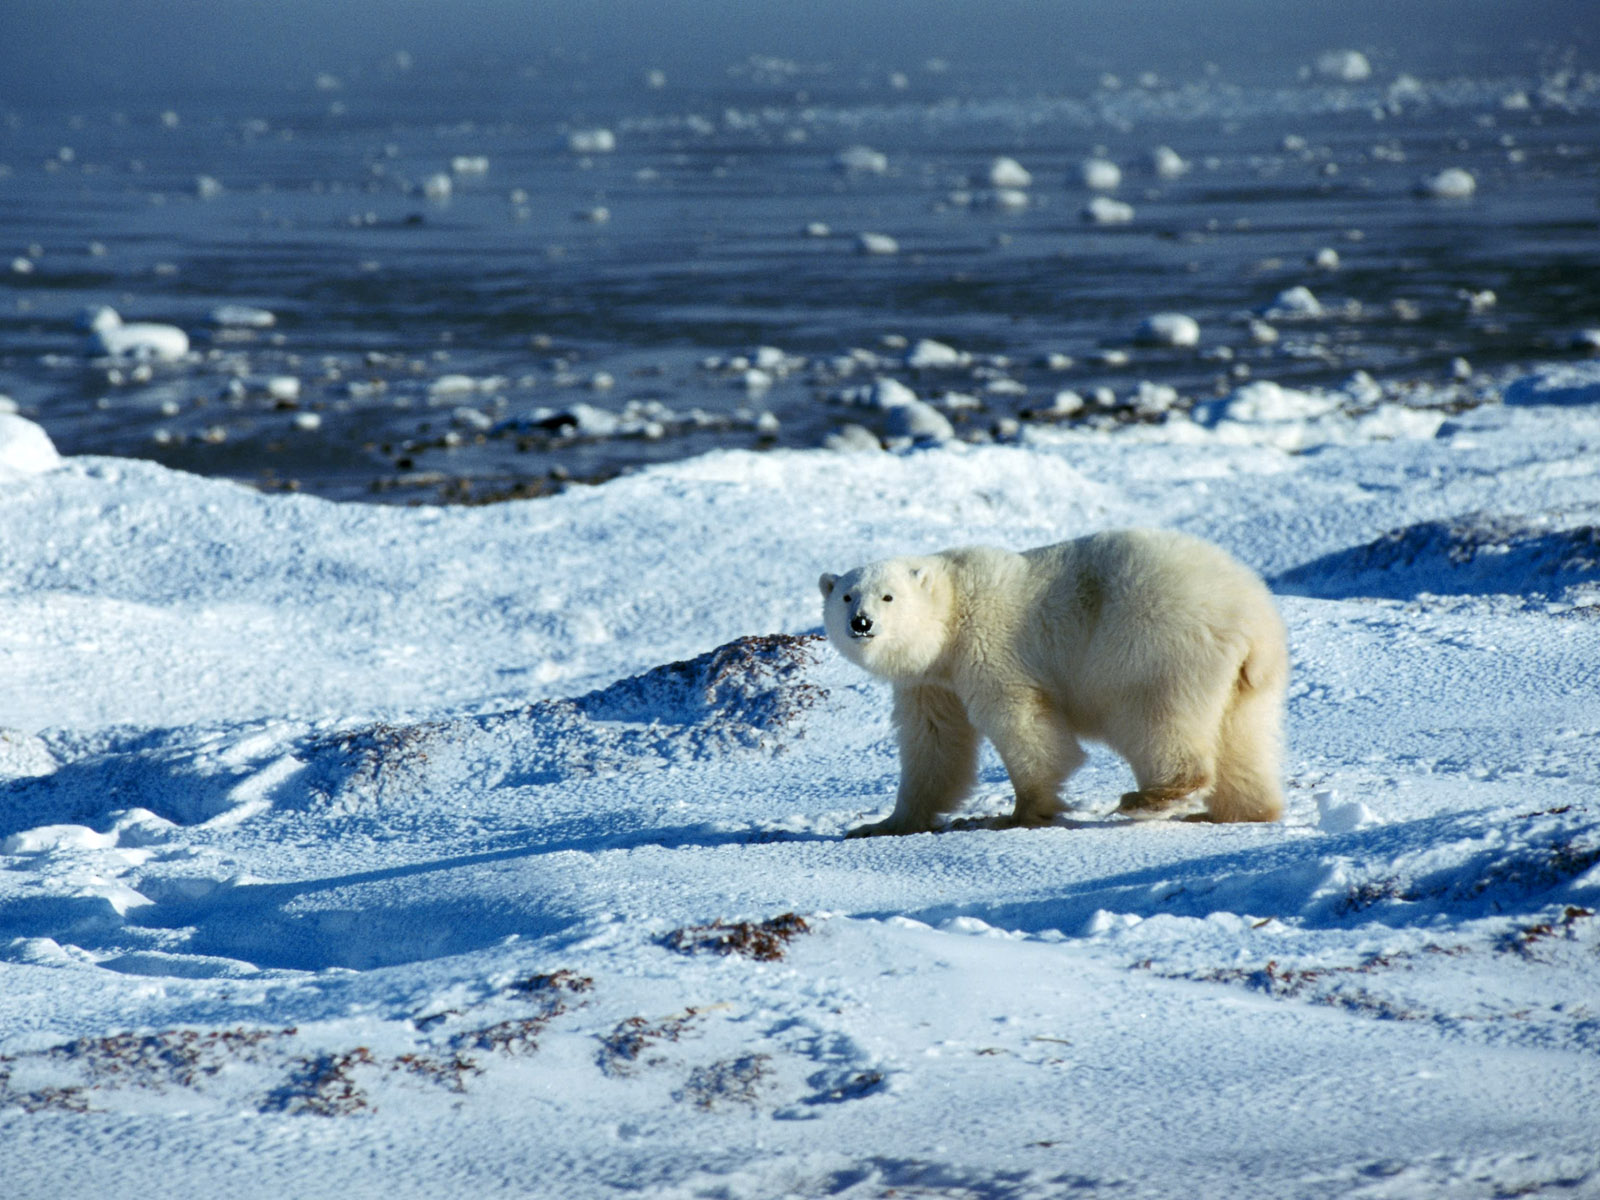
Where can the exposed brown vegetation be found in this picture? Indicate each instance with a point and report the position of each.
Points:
(763, 940)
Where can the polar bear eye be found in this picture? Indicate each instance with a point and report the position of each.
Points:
(888, 599)
(847, 597)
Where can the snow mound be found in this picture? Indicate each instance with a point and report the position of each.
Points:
(1476, 554)
(745, 696)
(25, 448)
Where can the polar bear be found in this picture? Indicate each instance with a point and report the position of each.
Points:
(1158, 644)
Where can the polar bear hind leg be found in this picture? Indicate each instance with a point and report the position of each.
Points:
(1247, 786)
(1169, 734)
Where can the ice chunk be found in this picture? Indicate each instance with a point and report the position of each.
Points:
(1342, 816)
(1101, 174)
(1344, 66)
(1168, 329)
(1009, 173)
(141, 341)
(1103, 210)
(862, 160)
(920, 422)
(1167, 163)
(25, 448)
(591, 141)
(852, 439)
(877, 244)
(1452, 183)
(1298, 301)
(928, 354)
(242, 316)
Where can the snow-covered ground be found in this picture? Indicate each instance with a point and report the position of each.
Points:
(355, 851)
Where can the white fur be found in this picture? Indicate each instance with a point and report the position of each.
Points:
(1160, 645)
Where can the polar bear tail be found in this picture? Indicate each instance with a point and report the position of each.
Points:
(1250, 739)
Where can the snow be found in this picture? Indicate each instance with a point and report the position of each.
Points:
(377, 851)
(25, 448)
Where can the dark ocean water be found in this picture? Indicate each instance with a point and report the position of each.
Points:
(572, 310)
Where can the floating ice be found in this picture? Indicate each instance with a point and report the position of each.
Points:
(470, 164)
(1064, 403)
(928, 354)
(1153, 398)
(25, 448)
(817, 229)
(438, 187)
(920, 422)
(206, 187)
(1297, 301)
(142, 341)
(1586, 339)
(1101, 174)
(591, 141)
(877, 243)
(1452, 183)
(1008, 199)
(1168, 329)
(1326, 259)
(598, 215)
(1103, 210)
(284, 389)
(1167, 162)
(862, 160)
(242, 316)
(1009, 173)
(852, 439)
(1265, 402)
(307, 422)
(1344, 66)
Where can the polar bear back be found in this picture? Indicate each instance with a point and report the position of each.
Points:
(1096, 617)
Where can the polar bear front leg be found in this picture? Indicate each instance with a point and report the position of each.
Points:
(938, 759)
(1039, 748)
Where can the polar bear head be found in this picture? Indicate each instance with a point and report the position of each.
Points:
(889, 617)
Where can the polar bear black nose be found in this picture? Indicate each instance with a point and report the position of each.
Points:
(860, 623)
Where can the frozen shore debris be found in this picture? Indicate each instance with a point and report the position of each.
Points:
(139, 341)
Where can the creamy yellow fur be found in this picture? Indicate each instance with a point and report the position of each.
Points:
(1158, 644)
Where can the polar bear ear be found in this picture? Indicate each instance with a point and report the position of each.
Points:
(925, 580)
(826, 584)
